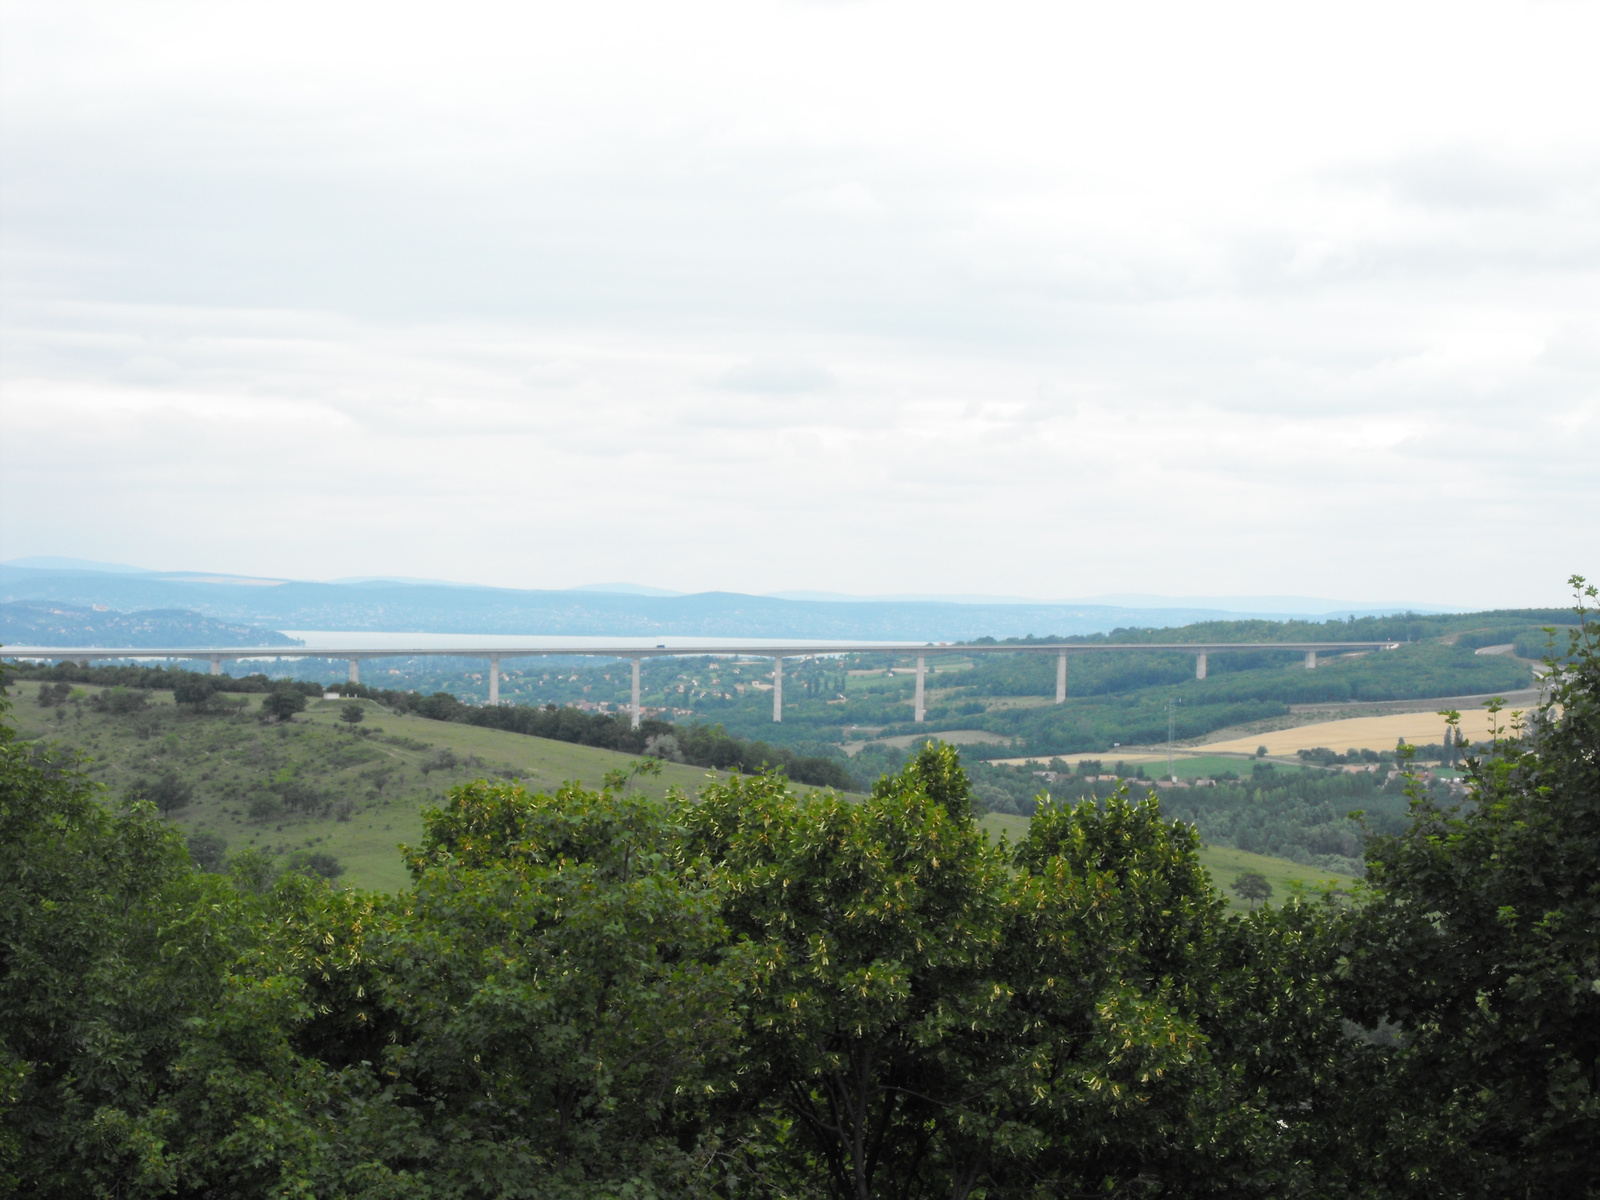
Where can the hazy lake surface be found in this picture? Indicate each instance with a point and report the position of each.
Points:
(362, 639)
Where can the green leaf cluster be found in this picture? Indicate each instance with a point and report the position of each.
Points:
(1481, 951)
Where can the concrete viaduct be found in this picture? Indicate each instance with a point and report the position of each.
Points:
(218, 655)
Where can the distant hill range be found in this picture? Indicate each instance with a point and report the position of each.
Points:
(42, 623)
(423, 607)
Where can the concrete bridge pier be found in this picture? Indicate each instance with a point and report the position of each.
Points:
(355, 670)
(922, 675)
(1200, 666)
(494, 682)
(1311, 660)
(777, 688)
(1061, 678)
(636, 711)
(216, 664)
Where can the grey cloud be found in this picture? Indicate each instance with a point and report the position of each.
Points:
(777, 377)
(856, 313)
(1467, 178)
(1575, 347)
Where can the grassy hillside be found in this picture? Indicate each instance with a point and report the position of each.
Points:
(359, 795)
(354, 794)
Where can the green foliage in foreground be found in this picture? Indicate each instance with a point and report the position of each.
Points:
(767, 995)
(1484, 949)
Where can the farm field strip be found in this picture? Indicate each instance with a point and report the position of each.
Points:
(1355, 733)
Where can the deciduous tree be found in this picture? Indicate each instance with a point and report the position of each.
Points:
(1252, 886)
(283, 703)
(1482, 948)
(109, 943)
(167, 792)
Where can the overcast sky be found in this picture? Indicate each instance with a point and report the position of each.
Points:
(1051, 300)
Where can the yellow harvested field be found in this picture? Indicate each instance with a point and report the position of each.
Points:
(1355, 733)
(1358, 733)
(956, 737)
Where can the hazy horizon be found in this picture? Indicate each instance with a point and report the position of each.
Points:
(1265, 605)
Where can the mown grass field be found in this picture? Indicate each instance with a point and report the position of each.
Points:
(1206, 766)
(387, 774)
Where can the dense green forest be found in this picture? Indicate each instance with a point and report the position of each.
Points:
(762, 994)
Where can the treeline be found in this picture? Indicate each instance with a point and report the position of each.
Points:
(763, 994)
(1396, 627)
(159, 678)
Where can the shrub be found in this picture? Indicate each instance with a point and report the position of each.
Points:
(252, 871)
(1252, 886)
(120, 701)
(208, 850)
(264, 807)
(663, 745)
(53, 695)
(444, 760)
(283, 703)
(297, 797)
(167, 792)
(192, 690)
(316, 863)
